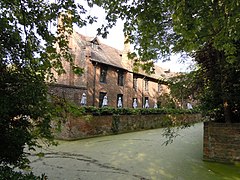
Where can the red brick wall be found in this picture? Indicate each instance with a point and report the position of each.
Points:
(80, 55)
(221, 142)
(71, 83)
(112, 88)
(71, 93)
(90, 126)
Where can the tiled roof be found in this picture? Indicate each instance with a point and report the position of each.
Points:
(105, 54)
(102, 53)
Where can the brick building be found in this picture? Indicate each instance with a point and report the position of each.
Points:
(107, 71)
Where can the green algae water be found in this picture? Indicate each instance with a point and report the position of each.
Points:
(224, 171)
(138, 155)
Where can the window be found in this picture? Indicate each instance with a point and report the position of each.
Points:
(146, 98)
(134, 102)
(146, 85)
(120, 100)
(95, 43)
(63, 94)
(94, 46)
(134, 82)
(101, 96)
(159, 87)
(120, 78)
(103, 74)
(146, 102)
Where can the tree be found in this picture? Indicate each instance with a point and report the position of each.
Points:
(206, 30)
(186, 87)
(220, 79)
(28, 57)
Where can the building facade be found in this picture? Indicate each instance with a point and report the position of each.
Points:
(107, 72)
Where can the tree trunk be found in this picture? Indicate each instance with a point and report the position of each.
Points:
(227, 111)
(224, 84)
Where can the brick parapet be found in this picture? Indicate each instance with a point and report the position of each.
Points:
(90, 126)
(221, 142)
(72, 93)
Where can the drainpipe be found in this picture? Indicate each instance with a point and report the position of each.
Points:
(94, 83)
(142, 91)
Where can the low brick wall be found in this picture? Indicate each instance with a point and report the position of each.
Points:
(90, 126)
(221, 142)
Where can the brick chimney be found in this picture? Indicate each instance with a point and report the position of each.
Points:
(65, 30)
(126, 62)
(64, 24)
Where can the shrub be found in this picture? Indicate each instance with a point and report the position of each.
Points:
(130, 111)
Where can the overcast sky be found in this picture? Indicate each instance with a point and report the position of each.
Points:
(116, 39)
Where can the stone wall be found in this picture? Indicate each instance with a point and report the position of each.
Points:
(221, 142)
(91, 126)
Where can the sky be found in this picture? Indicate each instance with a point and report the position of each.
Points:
(115, 39)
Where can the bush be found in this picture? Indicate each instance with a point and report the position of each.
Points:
(130, 111)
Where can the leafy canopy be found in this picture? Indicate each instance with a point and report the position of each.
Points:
(32, 46)
(207, 30)
(158, 28)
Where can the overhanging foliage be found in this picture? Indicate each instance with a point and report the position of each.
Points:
(159, 28)
(32, 47)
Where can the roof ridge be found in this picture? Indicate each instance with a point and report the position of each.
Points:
(89, 37)
(112, 56)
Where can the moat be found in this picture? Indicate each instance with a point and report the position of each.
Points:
(138, 155)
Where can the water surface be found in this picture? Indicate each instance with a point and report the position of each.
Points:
(138, 155)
